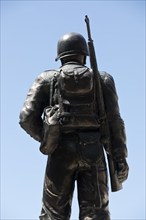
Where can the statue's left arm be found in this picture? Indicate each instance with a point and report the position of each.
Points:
(37, 99)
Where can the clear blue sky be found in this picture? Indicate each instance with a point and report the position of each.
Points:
(29, 34)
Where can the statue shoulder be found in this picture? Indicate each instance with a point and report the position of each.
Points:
(108, 81)
(106, 78)
(46, 76)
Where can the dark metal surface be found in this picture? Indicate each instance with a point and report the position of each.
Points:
(71, 44)
(79, 154)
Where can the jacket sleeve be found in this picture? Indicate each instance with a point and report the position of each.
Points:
(116, 123)
(37, 99)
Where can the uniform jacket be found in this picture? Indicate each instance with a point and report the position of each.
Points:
(38, 98)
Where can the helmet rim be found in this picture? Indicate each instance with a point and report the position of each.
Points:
(70, 53)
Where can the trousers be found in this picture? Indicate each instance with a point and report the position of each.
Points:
(78, 158)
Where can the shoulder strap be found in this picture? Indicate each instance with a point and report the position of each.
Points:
(52, 83)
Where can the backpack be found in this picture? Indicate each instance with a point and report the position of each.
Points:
(77, 98)
(72, 106)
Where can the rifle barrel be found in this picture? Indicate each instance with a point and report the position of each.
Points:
(88, 28)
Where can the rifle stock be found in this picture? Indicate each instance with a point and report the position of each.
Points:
(104, 127)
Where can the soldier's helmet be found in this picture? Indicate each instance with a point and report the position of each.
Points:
(71, 44)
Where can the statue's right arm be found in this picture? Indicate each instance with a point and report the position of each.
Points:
(37, 99)
(116, 123)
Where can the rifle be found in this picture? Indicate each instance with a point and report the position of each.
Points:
(104, 126)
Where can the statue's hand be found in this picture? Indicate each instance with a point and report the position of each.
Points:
(122, 170)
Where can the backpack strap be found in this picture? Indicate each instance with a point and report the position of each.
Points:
(52, 84)
(60, 101)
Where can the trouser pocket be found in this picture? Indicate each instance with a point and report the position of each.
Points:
(90, 146)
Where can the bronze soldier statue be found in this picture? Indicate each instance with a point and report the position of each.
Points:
(70, 133)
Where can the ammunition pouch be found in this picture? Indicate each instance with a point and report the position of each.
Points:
(51, 130)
